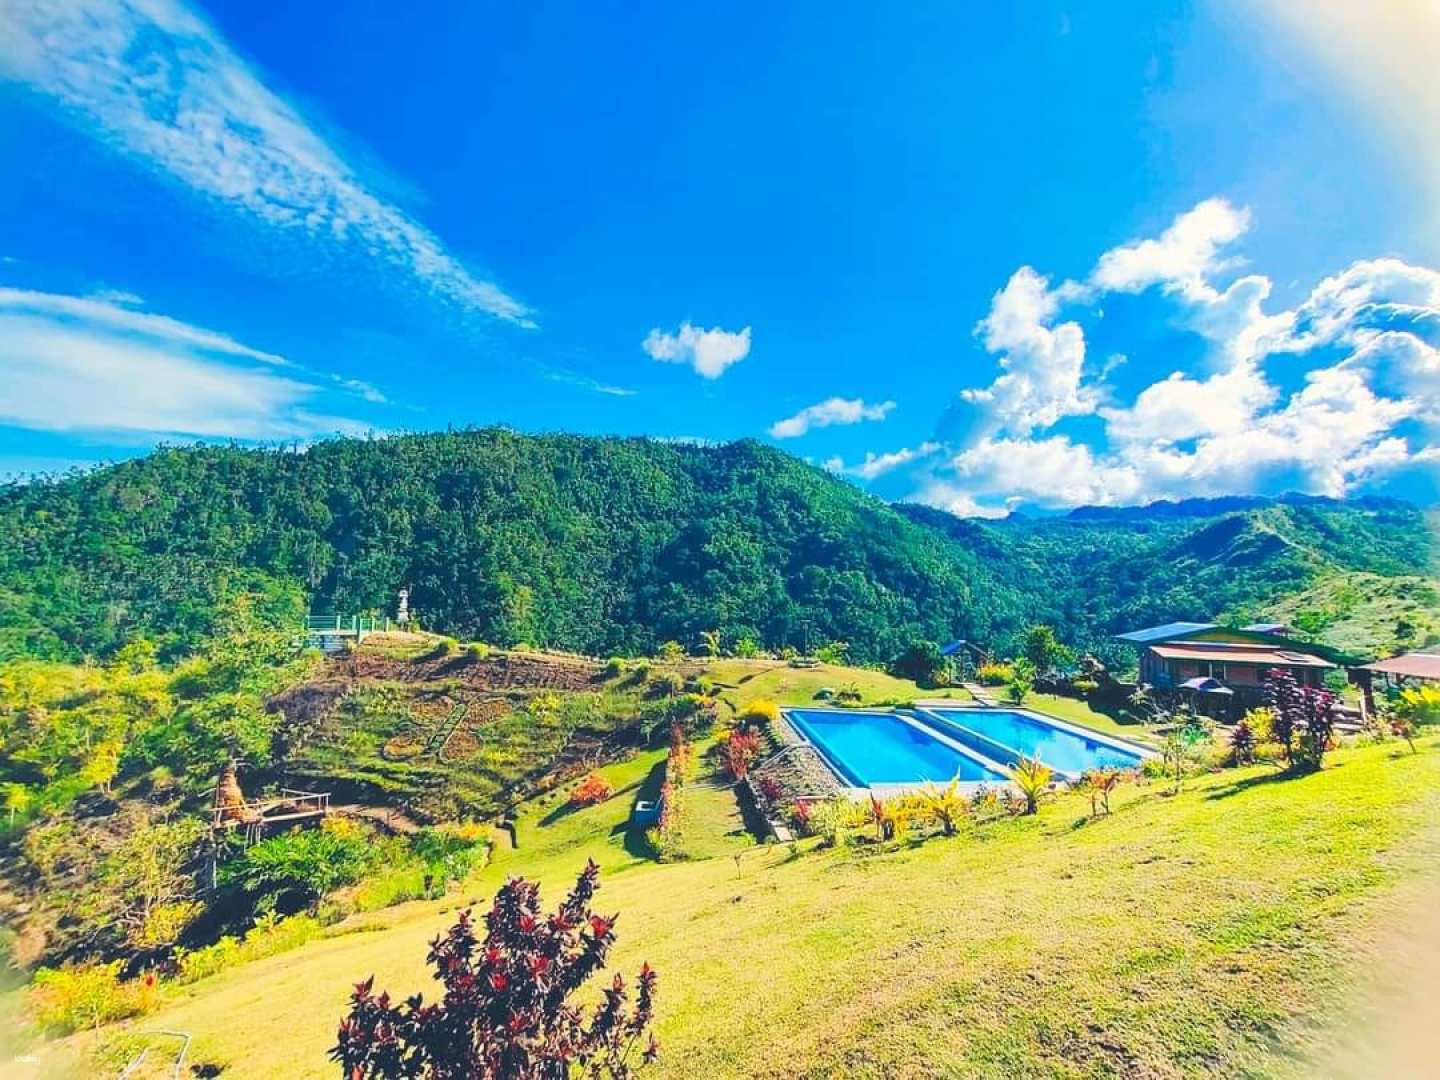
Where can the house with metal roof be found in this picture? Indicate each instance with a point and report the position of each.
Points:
(1415, 667)
(1207, 656)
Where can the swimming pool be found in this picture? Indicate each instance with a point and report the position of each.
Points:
(868, 748)
(1004, 735)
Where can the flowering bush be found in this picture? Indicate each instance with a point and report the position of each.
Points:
(992, 673)
(593, 789)
(506, 1010)
(65, 1000)
(761, 711)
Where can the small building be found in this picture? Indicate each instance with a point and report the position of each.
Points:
(966, 655)
(1400, 671)
(1180, 654)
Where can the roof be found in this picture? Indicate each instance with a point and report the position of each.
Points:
(1165, 632)
(1206, 686)
(956, 646)
(1415, 665)
(1232, 653)
(1265, 627)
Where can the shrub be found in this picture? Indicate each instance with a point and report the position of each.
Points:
(66, 1000)
(446, 646)
(789, 654)
(270, 935)
(672, 652)
(505, 1010)
(1261, 723)
(710, 642)
(1098, 783)
(1022, 680)
(946, 806)
(666, 684)
(922, 663)
(1032, 777)
(738, 752)
(849, 694)
(593, 789)
(830, 820)
(993, 673)
(477, 650)
(1304, 719)
(1043, 649)
(614, 667)
(770, 789)
(761, 711)
(1183, 746)
(296, 868)
(801, 817)
(832, 652)
(1085, 686)
(747, 648)
(1242, 744)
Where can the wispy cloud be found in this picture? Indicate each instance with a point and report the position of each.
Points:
(79, 365)
(585, 382)
(709, 352)
(835, 410)
(157, 82)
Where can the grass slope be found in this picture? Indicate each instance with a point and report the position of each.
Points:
(1186, 935)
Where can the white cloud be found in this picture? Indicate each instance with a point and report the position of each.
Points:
(74, 365)
(709, 352)
(876, 465)
(835, 410)
(159, 83)
(1185, 252)
(1042, 365)
(1229, 429)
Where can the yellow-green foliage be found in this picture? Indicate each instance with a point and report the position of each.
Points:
(269, 935)
(65, 1000)
(1261, 723)
(760, 711)
(993, 673)
(1032, 777)
(1418, 705)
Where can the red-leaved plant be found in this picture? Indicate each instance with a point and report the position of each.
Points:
(738, 752)
(593, 789)
(505, 1011)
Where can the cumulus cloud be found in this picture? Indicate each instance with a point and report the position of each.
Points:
(80, 365)
(1367, 407)
(1041, 364)
(709, 352)
(157, 82)
(835, 410)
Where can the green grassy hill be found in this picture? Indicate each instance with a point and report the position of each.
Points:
(1223, 931)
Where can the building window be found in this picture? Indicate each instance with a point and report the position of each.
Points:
(1213, 669)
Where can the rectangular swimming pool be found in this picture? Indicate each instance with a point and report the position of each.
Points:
(1004, 735)
(868, 748)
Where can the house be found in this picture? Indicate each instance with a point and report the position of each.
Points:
(1214, 659)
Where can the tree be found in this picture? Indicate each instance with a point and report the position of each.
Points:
(710, 642)
(1022, 679)
(672, 652)
(1043, 649)
(832, 652)
(921, 662)
(18, 800)
(506, 1012)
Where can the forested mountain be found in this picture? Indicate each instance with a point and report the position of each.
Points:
(616, 545)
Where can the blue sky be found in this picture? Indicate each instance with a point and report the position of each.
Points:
(987, 259)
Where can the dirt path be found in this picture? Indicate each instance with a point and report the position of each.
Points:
(397, 821)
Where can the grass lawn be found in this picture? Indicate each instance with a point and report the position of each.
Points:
(1080, 712)
(1195, 934)
(743, 681)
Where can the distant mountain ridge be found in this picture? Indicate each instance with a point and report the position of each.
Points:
(608, 545)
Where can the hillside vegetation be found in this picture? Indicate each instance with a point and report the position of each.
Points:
(1221, 931)
(605, 545)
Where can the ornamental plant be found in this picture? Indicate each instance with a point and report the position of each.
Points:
(1242, 743)
(593, 789)
(738, 752)
(506, 1010)
(1304, 719)
(946, 805)
(1032, 777)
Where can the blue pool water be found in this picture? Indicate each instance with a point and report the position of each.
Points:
(1003, 736)
(880, 748)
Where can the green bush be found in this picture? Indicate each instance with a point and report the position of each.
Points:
(270, 935)
(993, 673)
(66, 1000)
(478, 650)
(301, 867)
